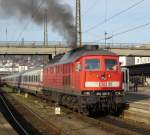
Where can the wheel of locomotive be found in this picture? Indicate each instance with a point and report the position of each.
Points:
(83, 109)
(69, 101)
(75, 104)
(122, 106)
(110, 105)
(114, 108)
(72, 102)
(63, 100)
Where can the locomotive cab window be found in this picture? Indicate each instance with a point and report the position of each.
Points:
(92, 64)
(111, 64)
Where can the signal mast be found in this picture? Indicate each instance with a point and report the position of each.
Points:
(45, 58)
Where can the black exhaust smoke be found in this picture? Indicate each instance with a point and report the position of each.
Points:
(59, 14)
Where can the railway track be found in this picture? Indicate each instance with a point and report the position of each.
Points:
(130, 125)
(23, 119)
(139, 106)
(105, 125)
(10, 116)
(138, 112)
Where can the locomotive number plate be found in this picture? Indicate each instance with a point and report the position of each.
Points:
(103, 84)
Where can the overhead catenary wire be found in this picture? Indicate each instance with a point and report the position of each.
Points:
(126, 31)
(13, 117)
(112, 17)
(90, 8)
(35, 12)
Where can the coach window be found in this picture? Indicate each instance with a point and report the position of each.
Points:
(111, 64)
(35, 78)
(29, 79)
(92, 64)
(38, 78)
(32, 78)
(24, 78)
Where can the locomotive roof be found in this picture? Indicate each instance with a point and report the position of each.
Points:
(74, 54)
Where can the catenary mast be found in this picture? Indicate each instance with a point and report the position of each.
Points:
(78, 24)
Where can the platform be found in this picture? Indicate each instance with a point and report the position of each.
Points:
(142, 95)
(5, 127)
(139, 106)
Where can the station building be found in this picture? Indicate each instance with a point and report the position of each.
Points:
(131, 60)
(139, 69)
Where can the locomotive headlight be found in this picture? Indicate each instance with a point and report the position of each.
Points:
(109, 76)
(102, 77)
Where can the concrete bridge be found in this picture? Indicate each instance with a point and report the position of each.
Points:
(37, 48)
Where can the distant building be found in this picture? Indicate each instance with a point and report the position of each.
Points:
(22, 68)
(8, 69)
(12, 67)
(142, 60)
(127, 60)
(18, 63)
(123, 60)
(130, 60)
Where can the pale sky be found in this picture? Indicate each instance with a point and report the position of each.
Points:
(93, 12)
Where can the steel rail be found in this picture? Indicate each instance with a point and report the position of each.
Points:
(15, 120)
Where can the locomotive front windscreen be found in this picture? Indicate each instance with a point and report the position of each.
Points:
(110, 64)
(92, 64)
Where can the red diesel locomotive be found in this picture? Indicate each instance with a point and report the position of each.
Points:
(87, 79)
